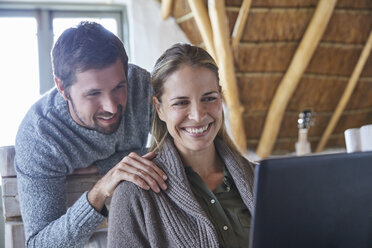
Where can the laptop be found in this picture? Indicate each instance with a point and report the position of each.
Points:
(313, 201)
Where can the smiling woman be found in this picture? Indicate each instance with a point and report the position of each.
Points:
(191, 107)
(209, 197)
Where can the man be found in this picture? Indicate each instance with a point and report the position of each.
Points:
(99, 112)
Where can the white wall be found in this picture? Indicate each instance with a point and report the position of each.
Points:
(150, 35)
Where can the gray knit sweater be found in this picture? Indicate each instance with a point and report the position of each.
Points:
(172, 218)
(50, 145)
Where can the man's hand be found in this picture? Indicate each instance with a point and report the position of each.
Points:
(133, 168)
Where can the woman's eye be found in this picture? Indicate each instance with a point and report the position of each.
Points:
(209, 99)
(180, 103)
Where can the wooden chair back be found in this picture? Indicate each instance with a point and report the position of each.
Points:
(14, 232)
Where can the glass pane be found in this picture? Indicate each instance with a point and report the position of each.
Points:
(61, 24)
(19, 73)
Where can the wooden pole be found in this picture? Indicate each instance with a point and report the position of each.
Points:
(240, 22)
(347, 94)
(293, 75)
(200, 13)
(166, 8)
(221, 34)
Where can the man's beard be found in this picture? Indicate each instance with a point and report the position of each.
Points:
(105, 130)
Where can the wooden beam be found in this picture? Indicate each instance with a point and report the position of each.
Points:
(240, 22)
(14, 235)
(293, 75)
(7, 154)
(347, 94)
(166, 8)
(221, 34)
(200, 12)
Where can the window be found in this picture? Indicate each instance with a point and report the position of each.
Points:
(28, 35)
(19, 78)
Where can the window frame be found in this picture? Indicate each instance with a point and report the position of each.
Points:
(44, 14)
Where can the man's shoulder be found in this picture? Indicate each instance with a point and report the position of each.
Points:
(51, 100)
(42, 108)
(139, 94)
(40, 123)
(139, 81)
(137, 71)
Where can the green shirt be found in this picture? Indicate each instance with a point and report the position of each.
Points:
(224, 208)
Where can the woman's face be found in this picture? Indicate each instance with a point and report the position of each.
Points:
(191, 106)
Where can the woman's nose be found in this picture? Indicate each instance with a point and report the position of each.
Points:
(197, 113)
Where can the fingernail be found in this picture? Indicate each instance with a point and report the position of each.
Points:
(165, 177)
(147, 187)
(164, 186)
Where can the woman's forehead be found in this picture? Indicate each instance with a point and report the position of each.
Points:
(188, 78)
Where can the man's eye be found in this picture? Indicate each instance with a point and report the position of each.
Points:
(95, 93)
(119, 87)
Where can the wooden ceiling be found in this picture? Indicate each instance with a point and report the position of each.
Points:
(280, 67)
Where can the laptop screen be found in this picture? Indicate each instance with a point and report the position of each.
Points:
(313, 201)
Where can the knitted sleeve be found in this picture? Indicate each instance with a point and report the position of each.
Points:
(41, 178)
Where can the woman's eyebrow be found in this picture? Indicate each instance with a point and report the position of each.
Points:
(185, 97)
(179, 98)
(209, 93)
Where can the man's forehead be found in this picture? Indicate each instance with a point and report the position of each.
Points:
(97, 78)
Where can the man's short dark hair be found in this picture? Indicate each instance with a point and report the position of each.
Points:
(86, 46)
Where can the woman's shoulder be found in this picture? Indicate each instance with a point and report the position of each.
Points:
(248, 162)
(230, 154)
(126, 190)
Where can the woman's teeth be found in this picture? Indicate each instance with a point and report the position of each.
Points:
(197, 130)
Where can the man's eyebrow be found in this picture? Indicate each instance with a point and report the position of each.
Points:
(89, 91)
(120, 84)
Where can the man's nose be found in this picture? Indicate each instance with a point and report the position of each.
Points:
(110, 105)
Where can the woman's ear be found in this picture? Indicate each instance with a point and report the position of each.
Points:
(60, 87)
(157, 104)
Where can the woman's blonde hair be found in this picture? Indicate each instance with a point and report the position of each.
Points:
(168, 63)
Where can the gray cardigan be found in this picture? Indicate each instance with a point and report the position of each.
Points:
(171, 218)
(50, 145)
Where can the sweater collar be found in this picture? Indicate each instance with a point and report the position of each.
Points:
(170, 162)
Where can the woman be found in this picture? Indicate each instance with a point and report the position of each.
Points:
(209, 196)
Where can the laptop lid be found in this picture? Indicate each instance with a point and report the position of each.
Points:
(313, 201)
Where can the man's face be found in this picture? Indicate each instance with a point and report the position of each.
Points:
(98, 98)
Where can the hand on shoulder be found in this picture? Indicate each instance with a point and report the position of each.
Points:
(133, 168)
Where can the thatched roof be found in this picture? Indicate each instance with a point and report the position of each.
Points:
(271, 36)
